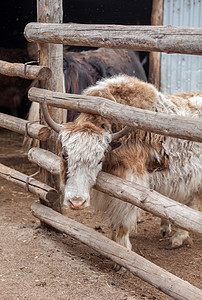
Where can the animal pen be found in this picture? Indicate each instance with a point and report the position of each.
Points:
(51, 35)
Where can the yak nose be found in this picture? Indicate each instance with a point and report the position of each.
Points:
(77, 203)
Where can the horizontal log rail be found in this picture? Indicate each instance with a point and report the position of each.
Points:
(169, 125)
(27, 71)
(149, 200)
(138, 265)
(45, 159)
(169, 39)
(42, 190)
(33, 130)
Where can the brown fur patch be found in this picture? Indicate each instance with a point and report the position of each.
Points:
(105, 93)
(182, 100)
(63, 162)
(97, 121)
(135, 93)
(132, 157)
(63, 170)
(121, 232)
(84, 124)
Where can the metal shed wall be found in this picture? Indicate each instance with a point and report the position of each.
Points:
(180, 72)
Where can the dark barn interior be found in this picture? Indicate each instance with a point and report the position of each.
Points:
(15, 14)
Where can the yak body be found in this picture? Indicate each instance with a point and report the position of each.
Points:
(171, 166)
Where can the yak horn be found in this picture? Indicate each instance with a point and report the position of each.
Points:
(55, 126)
(119, 134)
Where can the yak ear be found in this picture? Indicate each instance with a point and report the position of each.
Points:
(114, 145)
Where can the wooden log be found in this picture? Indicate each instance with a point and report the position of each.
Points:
(43, 191)
(155, 57)
(169, 39)
(180, 215)
(165, 124)
(139, 266)
(161, 206)
(45, 159)
(25, 71)
(34, 130)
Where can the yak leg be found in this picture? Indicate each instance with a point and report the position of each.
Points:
(165, 228)
(181, 236)
(121, 236)
(178, 238)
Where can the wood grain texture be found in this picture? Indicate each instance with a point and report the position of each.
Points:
(169, 39)
(155, 57)
(25, 71)
(45, 159)
(43, 191)
(34, 130)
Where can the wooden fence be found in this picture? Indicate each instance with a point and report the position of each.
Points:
(147, 38)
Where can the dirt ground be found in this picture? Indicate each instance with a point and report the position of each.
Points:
(39, 263)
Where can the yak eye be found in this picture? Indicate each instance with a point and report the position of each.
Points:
(63, 157)
(103, 126)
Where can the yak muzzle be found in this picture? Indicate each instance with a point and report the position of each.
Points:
(77, 203)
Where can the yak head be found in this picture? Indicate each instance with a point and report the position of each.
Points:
(82, 145)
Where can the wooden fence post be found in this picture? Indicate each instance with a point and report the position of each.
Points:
(155, 57)
(51, 55)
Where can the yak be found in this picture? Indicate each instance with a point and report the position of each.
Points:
(171, 166)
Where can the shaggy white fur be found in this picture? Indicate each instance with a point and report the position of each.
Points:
(85, 153)
(184, 175)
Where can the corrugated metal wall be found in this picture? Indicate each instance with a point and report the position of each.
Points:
(180, 72)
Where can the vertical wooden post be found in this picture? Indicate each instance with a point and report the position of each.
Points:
(51, 55)
(155, 57)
